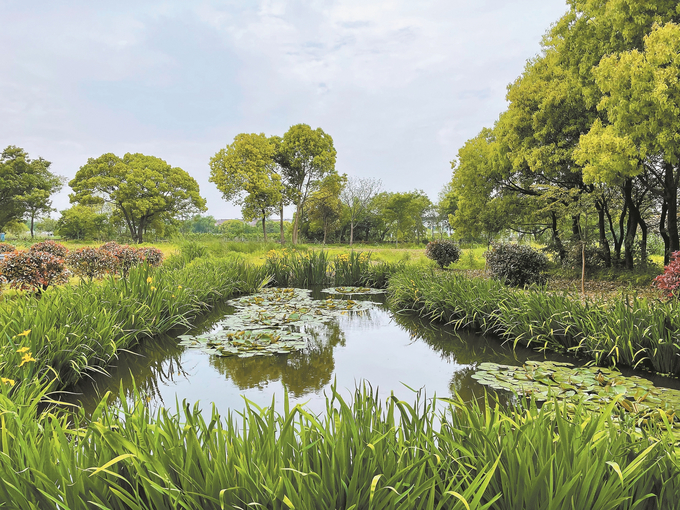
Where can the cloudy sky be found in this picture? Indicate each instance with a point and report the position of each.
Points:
(400, 85)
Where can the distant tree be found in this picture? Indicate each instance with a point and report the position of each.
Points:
(243, 172)
(25, 185)
(400, 210)
(357, 195)
(202, 225)
(46, 224)
(325, 205)
(306, 156)
(84, 223)
(141, 188)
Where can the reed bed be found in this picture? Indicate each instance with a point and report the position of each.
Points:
(362, 453)
(631, 331)
(77, 328)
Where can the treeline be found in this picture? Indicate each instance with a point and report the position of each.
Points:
(587, 153)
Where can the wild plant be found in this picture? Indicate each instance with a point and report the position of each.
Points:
(33, 270)
(51, 247)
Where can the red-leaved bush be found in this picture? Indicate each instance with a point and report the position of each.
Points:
(669, 281)
(126, 257)
(153, 256)
(111, 246)
(7, 248)
(90, 263)
(33, 270)
(52, 247)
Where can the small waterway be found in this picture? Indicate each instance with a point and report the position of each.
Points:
(393, 352)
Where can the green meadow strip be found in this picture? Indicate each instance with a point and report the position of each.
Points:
(364, 452)
(630, 331)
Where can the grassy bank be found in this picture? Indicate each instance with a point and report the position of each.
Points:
(359, 454)
(630, 331)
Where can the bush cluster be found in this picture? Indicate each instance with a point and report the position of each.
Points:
(91, 263)
(152, 256)
(516, 265)
(669, 281)
(443, 252)
(33, 270)
(7, 248)
(51, 247)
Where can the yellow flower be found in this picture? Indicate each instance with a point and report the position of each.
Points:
(23, 349)
(153, 288)
(173, 295)
(179, 286)
(149, 280)
(7, 381)
(25, 333)
(27, 357)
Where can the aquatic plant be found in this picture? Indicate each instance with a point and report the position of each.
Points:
(350, 268)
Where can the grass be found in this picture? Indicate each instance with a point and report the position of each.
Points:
(363, 452)
(630, 331)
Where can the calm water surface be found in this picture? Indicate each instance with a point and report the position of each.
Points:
(394, 353)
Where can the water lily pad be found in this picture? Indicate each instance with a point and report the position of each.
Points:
(353, 291)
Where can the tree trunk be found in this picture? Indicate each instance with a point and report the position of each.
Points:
(296, 223)
(633, 221)
(561, 252)
(643, 241)
(351, 232)
(32, 220)
(671, 199)
(604, 244)
(283, 238)
(325, 230)
(583, 268)
(663, 231)
(264, 226)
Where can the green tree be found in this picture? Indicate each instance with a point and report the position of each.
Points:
(141, 188)
(356, 196)
(306, 156)
(243, 172)
(25, 186)
(83, 222)
(325, 206)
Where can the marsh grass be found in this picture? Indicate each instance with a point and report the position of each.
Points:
(630, 331)
(363, 452)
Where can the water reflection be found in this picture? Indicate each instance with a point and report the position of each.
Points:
(391, 352)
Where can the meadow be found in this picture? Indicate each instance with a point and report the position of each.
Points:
(366, 452)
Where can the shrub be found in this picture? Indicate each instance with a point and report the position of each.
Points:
(7, 248)
(153, 256)
(33, 270)
(111, 246)
(516, 265)
(669, 281)
(90, 263)
(51, 247)
(126, 257)
(594, 257)
(443, 252)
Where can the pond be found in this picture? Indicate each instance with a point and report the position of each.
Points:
(393, 352)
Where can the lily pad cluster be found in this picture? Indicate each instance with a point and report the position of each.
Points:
(594, 386)
(353, 290)
(274, 321)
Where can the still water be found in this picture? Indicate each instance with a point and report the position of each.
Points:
(393, 352)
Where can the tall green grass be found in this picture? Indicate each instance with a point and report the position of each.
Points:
(363, 453)
(77, 328)
(630, 331)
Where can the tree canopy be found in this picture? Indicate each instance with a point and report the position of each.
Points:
(142, 189)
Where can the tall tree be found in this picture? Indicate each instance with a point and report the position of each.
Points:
(141, 188)
(306, 156)
(25, 186)
(325, 204)
(243, 172)
(357, 195)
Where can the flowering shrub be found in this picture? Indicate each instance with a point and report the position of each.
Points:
(153, 256)
(7, 248)
(33, 270)
(90, 263)
(517, 265)
(669, 281)
(443, 252)
(126, 257)
(52, 247)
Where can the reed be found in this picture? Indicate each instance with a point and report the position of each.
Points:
(630, 331)
(364, 452)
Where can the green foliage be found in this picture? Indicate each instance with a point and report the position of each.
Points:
(33, 270)
(141, 188)
(350, 269)
(629, 331)
(443, 252)
(90, 263)
(84, 223)
(302, 269)
(517, 265)
(325, 206)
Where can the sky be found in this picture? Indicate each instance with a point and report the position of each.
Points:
(399, 85)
